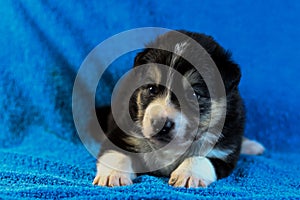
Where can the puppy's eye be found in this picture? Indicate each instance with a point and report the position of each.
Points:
(153, 90)
(193, 95)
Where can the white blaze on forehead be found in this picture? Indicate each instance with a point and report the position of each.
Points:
(179, 49)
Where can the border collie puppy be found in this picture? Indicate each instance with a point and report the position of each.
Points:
(165, 139)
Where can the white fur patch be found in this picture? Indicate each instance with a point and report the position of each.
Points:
(114, 169)
(180, 48)
(218, 111)
(178, 51)
(252, 147)
(165, 161)
(206, 143)
(193, 172)
(219, 153)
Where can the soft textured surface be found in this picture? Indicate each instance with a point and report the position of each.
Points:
(43, 44)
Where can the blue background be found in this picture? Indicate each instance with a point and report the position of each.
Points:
(43, 44)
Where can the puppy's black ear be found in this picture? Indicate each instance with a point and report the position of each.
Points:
(229, 70)
(138, 60)
(231, 75)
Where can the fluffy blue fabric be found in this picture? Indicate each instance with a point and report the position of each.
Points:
(43, 44)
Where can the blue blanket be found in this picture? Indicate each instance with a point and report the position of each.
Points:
(43, 45)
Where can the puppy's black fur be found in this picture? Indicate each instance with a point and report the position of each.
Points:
(232, 132)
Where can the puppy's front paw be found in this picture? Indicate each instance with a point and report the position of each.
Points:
(193, 172)
(114, 169)
(187, 179)
(114, 178)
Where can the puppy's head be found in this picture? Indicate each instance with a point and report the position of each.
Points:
(158, 111)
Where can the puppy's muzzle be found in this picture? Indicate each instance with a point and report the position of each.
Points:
(162, 126)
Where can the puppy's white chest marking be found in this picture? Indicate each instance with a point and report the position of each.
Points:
(168, 159)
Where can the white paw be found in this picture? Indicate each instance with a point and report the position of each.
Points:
(115, 178)
(188, 180)
(193, 172)
(252, 147)
(114, 169)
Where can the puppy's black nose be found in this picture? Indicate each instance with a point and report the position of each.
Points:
(162, 125)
